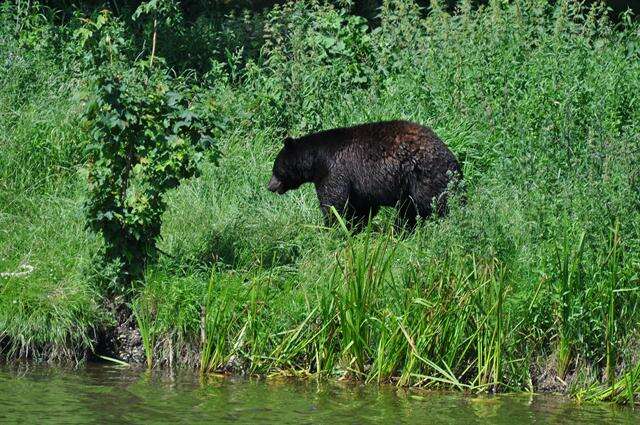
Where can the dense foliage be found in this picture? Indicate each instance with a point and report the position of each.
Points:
(533, 284)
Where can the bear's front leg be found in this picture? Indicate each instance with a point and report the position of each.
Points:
(337, 196)
(407, 214)
(333, 194)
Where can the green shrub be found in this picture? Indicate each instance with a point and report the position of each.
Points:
(148, 132)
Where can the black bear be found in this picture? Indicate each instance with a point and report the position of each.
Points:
(359, 169)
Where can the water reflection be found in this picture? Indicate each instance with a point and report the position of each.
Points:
(112, 394)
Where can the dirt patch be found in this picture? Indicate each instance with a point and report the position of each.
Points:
(121, 340)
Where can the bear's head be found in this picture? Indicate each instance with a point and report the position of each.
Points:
(286, 169)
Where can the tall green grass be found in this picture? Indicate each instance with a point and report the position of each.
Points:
(530, 285)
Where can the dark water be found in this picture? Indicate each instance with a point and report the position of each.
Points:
(108, 394)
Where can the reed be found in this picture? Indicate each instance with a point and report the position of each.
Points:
(145, 318)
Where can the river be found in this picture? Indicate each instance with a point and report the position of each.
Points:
(97, 393)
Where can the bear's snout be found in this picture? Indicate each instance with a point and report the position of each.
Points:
(275, 185)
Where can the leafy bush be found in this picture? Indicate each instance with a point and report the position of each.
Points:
(148, 132)
(146, 137)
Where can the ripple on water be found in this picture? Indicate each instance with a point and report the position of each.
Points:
(111, 394)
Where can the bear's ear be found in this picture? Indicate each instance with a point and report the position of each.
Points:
(288, 142)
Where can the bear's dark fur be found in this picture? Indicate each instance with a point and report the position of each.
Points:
(359, 169)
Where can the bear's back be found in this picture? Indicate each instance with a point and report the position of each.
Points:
(397, 140)
(370, 135)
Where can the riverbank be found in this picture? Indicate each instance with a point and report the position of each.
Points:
(532, 285)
